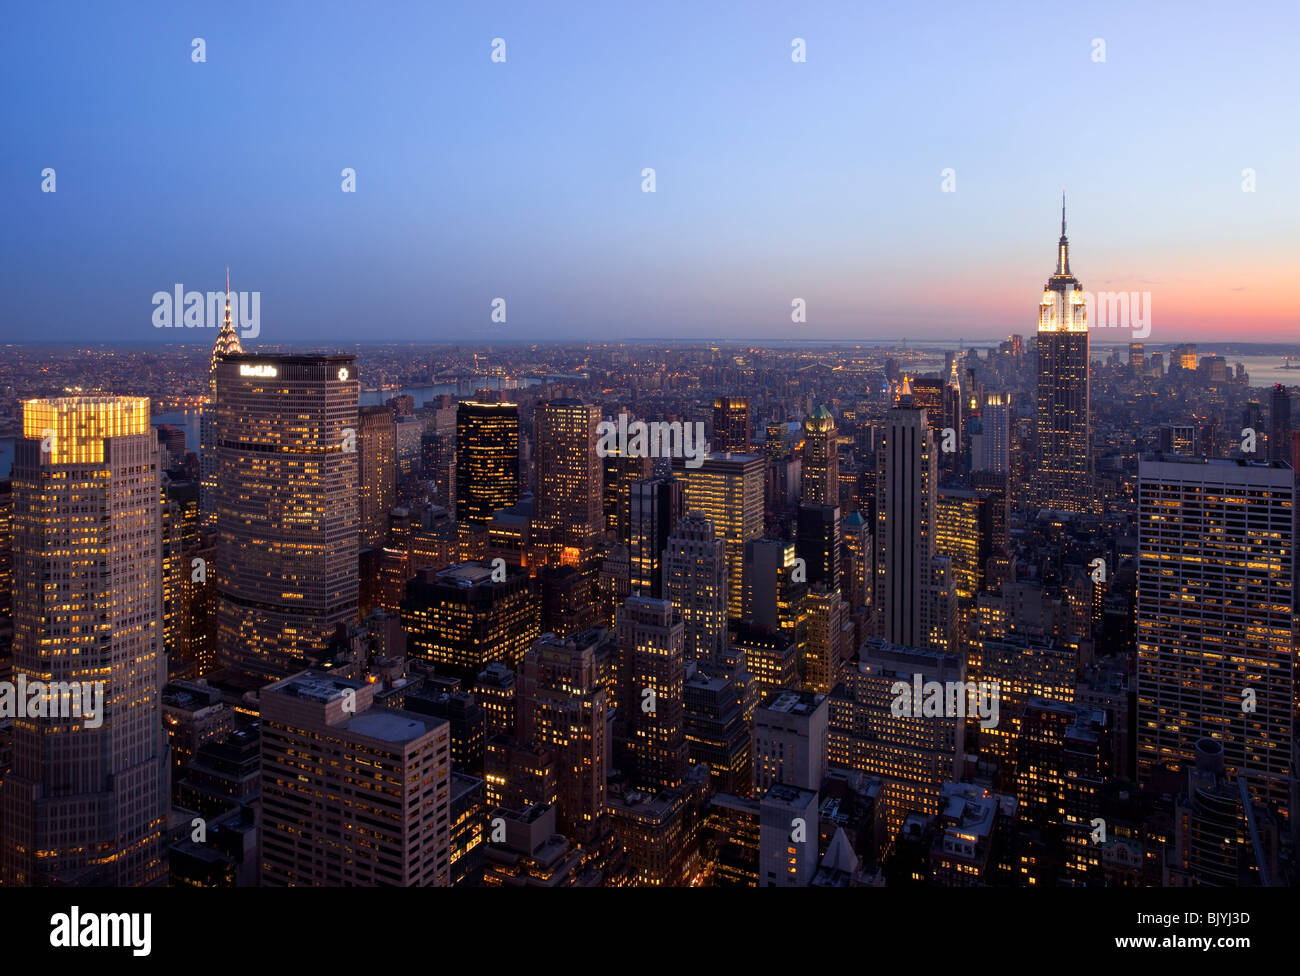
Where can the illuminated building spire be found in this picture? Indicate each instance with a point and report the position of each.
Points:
(1063, 247)
(227, 337)
(227, 342)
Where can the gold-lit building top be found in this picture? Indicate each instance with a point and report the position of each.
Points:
(77, 426)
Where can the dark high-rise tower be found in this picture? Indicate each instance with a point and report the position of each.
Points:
(928, 395)
(653, 673)
(952, 453)
(1279, 424)
(487, 459)
(562, 709)
(731, 426)
(1064, 480)
(817, 543)
(906, 484)
(656, 505)
(463, 618)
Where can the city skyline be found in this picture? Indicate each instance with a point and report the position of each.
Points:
(677, 656)
(821, 180)
(638, 448)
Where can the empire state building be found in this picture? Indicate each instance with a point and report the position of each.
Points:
(1064, 481)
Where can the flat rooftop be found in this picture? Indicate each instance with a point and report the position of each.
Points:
(465, 573)
(390, 725)
(793, 702)
(880, 655)
(314, 687)
(789, 795)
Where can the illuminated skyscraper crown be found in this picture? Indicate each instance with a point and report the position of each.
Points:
(1062, 280)
(227, 338)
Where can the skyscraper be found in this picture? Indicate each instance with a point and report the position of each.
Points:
(993, 452)
(953, 436)
(86, 800)
(717, 710)
(912, 756)
(487, 459)
(287, 512)
(438, 450)
(731, 424)
(227, 344)
(817, 543)
(562, 709)
(786, 858)
(905, 527)
(1215, 605)
(353, 794)
(790, 740)
(927, 394)
(777, 445)
(1212, 844)
(376, 445)
(568, 505)
(1062, 765)
(775, 588)
(859, 570)
(6, 576)
(770, 656)
(728, 490)
(1279, 424)
(175, 567)
(1064, 446)
(620, 474)
(695, 583)
(465, 617)
(656, 505)
(964, 533)
(821, 459)
(823, 651)
(653, 665)
(1137, 358)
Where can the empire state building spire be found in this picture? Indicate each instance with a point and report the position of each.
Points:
(1063, 248)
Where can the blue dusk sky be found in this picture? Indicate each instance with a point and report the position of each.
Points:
(522, 180)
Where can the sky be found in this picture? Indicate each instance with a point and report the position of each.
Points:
(522, 180)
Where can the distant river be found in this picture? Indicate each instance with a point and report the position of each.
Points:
(1265, 370)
